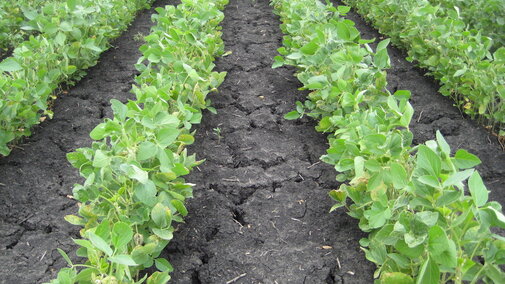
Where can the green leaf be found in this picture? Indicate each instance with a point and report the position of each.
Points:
(428, 218)
(492, 216)
(179, 206)
(164, 234)
(159, 215)
(101, 159)
(404, 249)
(338, 195)
(179, 169)
(85, 274)
(122, 234)
(448, 197)
(74, 220)
(167, 136)
(429, 180)
(401, 261)
(120, 110)
(457, 177)
(383, 44)
(429, 160)
(343, 9)
(381, 59)
(399, 176)
(429, 273)
(294, 56)
(441, 248)
(396, 278)
(158, 278)
(465, 160)
(10, 65)
(123, 259)
(278, 62)
(98, 133)
(310, 48)
(407, 115)
(65, 256)
(443, 144)
(495, 273)
(343, 31)
(187, 139)
(163, 265)
(316, 82)
(66, 276)
(100, 243)
(377, 215)
(138, 174)
(292, 115)
(146, 193)
(413, 240)
(146, 151)
(477, 189)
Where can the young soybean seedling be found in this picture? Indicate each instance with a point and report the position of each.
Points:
(217, 131)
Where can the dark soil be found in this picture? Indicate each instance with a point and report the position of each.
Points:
(260, 212)
(261, 206)
(35, 180)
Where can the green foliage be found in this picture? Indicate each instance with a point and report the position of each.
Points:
(71, 36)
(134, 191)
(486, 16)
(13, 13)
(422, 226)
(470, 70)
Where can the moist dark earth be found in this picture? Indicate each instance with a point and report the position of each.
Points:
(260, 212)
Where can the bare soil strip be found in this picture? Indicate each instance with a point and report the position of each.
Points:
(260, 212)
(36, 178)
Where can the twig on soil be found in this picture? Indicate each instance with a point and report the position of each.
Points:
(313, 164)
(236, 278)
(278, 232)
(420, 115)
(44, 254)
(231, 179)
(301, 177)
(501, 144)
(338, 264)
(241, 226)
(294, 219)
(198, 169)
(234, 114)
(1, 184)
(245, 149)
(489, 140)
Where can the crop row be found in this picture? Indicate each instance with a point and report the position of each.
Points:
(134, 188)
(411, 200)
(72, 34)
(460, 58)
(12, 16)
(486, 16)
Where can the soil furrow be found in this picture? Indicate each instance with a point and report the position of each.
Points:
(36, 178)
(260, 214)
(435, 112)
